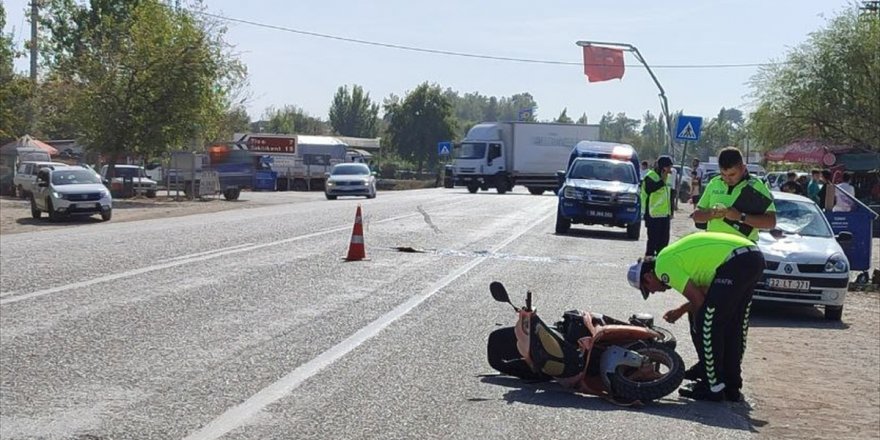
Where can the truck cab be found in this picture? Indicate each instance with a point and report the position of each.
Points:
(600, 187)
(477, 163)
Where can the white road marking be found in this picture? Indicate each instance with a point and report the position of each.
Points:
(238, 415)
(7, 299)
(182, 257)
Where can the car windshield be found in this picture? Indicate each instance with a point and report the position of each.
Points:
(350, 170)
(803, 218)
(603, 169)
(472, 150)
(127, 172)
(73, 177)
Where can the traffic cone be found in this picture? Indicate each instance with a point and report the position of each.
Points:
(356, 251)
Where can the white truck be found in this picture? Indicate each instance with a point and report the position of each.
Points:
(502, 155)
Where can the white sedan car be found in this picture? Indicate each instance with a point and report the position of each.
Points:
(805, 263)
(350, 179)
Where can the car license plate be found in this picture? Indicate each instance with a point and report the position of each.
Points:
(799, 285)
(595, 213)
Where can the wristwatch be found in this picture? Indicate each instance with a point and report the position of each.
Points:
(742, 217)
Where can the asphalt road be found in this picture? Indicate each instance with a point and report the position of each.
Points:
(247, 324)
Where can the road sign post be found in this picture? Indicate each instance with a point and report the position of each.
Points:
(686, 129)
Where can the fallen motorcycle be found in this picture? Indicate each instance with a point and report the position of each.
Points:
(625, 362)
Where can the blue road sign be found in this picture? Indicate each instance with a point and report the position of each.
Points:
(688, 128)
(444, 148)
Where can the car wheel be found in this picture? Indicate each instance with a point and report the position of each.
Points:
(53, 216)
(329, 197)
(562, 224)
(35, 212)
(107, 215)
(633, 231)
(833, 313)
(20, 192)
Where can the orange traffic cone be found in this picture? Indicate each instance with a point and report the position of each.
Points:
(356, 251)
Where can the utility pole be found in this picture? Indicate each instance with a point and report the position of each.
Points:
(870, 7)
(35, 17)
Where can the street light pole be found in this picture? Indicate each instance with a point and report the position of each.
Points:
(664, 104)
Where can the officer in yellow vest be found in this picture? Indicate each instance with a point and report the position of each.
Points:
(717, 273)
(657, 205)
(735, 202)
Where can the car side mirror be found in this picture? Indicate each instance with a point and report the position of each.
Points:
(560, 177)
(105, 181)
(844, 237)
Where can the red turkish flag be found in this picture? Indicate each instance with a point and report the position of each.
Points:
(603, 63)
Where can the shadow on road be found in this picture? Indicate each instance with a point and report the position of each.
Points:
(733, 416)
(617, 234)
(769, 314)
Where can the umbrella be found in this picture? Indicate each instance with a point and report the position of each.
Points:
(27, 141)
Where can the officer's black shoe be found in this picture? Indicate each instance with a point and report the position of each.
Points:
(700, 391)
(732, 395)
(695, 372)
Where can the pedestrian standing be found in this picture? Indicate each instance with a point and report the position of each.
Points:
(656, 205)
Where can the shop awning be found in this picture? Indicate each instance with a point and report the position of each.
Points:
(807, 152)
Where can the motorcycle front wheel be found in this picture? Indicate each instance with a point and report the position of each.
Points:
(505, 358)
(659, 376)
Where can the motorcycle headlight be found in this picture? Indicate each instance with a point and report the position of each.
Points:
(628, 198)
(570, 193)
(837, 263)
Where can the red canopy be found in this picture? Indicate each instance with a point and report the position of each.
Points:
(27, 141)
(808, 152)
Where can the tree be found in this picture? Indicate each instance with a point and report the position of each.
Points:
(15, 90)
(354, 114)
(291, 119)
(563, 117)
(418, 123)
(144, 77)
(583, 119)
(828, 88)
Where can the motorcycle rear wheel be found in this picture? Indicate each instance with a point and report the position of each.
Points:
(667, 365)
(504, 357)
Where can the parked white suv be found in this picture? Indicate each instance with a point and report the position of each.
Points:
(26, 175)
(138, 176)
(70, 191)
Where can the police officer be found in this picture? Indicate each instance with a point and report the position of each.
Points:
(656, 205)
(735, 202)
(717, 273)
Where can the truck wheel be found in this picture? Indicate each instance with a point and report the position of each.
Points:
(231, 193)
(563, 225)
(503, 186)
(633, 231)
(535, 191)
(472, 188)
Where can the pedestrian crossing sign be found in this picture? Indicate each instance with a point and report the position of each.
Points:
(688, 128)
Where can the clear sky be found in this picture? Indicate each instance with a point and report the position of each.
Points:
(287, 68)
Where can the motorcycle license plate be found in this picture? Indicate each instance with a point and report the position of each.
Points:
(798, 285)
(596, 213)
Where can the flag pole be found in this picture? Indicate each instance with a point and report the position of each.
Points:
(664, 104)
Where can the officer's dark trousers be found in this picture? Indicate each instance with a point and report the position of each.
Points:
(721, 325)
(658, 234)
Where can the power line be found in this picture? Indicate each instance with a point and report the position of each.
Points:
(464, 54)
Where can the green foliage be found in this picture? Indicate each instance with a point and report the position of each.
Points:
(418, 122)
(473, 108)
(142, 77)
(354, 114)
(563, 117)
(291, 119)
(15, 89)
(827, 89)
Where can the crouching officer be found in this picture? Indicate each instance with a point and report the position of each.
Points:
(656, 205)
(717, 273)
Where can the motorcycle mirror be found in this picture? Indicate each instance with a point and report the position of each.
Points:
(499, 292)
